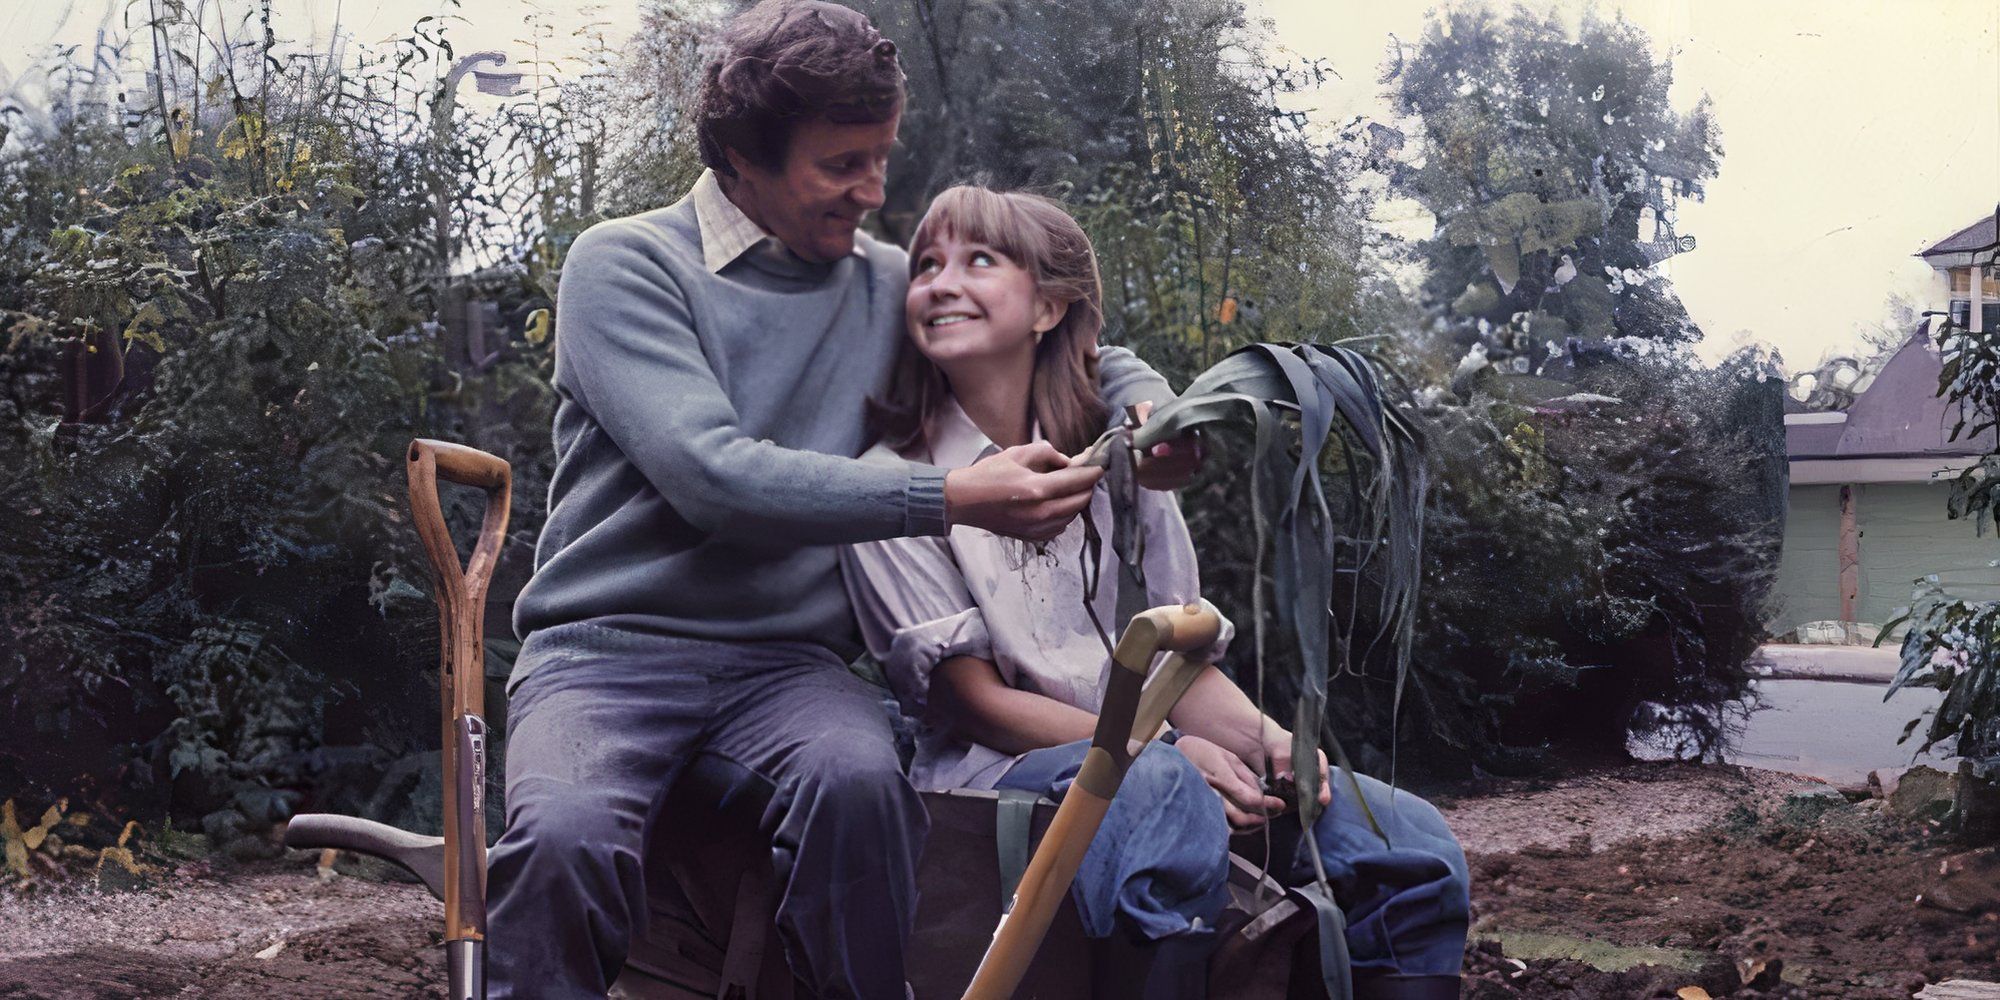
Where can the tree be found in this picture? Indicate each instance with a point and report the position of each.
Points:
(1552, 163)
(1599, 560)
(230, 473)
(1160, 129)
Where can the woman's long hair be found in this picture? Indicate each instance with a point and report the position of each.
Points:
(1040, 237)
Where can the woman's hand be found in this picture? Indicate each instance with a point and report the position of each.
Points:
(1278, 751)
(1245, 805)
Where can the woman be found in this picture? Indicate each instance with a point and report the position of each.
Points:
(987, 641)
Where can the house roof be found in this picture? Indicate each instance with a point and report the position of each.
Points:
(1813, 440)
(1900, 415)
(1981, 235)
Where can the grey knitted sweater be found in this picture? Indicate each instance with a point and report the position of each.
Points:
(706, 431)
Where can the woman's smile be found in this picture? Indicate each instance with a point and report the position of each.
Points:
(968, 301)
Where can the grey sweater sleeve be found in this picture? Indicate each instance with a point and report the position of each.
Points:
(627, 352)
(1125, 379)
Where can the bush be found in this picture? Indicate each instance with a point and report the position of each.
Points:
(212, 607)
(1952, 644)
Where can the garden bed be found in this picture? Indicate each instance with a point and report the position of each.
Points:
(1645, 880)
(1628, 882)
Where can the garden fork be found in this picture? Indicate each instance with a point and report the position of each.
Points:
(452, 866)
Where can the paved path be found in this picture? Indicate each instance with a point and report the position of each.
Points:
(1861, 664)
(1820, 712)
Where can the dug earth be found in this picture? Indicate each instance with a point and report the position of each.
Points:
(1648, 880)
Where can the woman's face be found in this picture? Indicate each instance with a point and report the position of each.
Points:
(969, 302)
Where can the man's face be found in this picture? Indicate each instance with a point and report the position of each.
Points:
(832, 177)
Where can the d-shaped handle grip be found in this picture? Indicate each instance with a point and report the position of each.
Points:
(459, 464)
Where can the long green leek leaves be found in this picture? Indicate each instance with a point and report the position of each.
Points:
(1301, 400)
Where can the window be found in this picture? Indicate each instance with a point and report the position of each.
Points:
(1961, 284)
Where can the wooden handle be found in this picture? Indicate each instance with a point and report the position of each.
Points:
(1041, 893)
(1177, 628)
(465, 466)
(1189, 627)
(430, 461)
(460, 592)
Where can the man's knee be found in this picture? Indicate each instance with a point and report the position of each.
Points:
(855, 778)
(571, 825)
(860, 757)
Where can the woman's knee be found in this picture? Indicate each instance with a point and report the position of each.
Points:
(1399, 810)
(1395, 824)
(1422, 825)
(1160, 765)
(1164, 779)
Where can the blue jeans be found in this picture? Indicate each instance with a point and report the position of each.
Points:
(1160, 861)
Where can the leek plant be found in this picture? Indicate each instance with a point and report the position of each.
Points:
(1309, 406)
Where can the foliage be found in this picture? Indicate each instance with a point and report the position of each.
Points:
(176, 521)
(64, 836)
(1596, 565)
(229, 306)
(1552, 163)
(1604, 527)
(219, 310)
(1309, 406)
(1952, 643)
(1218, 219)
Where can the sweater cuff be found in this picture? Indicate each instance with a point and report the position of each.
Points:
(923, 511)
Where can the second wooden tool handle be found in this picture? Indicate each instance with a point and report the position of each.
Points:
(457, 463)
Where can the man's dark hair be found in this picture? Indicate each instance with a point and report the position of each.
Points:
(787, 61)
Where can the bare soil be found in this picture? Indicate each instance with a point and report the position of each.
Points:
(1633, 881)
(1646, 879)
(261, 930)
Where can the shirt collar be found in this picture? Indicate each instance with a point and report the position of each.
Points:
(726, 233)
(958, 442)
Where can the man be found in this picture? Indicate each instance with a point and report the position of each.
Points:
(712, 358)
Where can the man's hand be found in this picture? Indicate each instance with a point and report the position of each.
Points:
(1169, 465)
(1246, 807)
(1027, 491)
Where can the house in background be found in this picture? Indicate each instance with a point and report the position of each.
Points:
(1957, 259)
(1866, 514)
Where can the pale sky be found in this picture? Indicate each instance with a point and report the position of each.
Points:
(1855, 132)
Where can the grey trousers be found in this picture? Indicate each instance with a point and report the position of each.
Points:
(601, 726)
